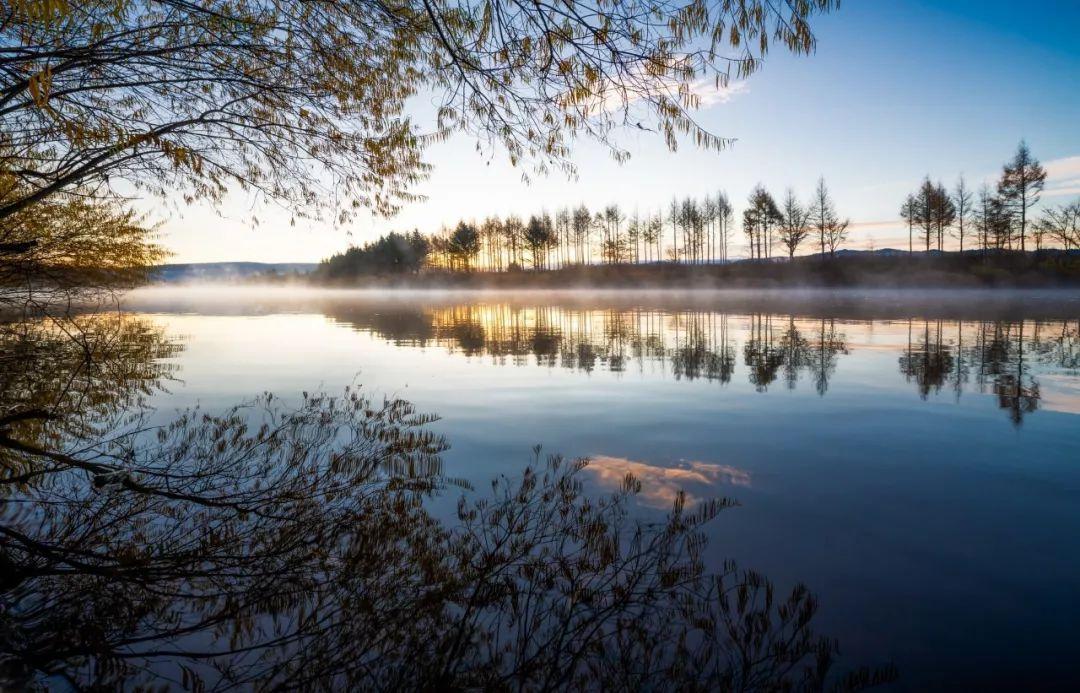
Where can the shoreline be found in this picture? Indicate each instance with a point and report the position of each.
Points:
(888, 270)
(853, 303)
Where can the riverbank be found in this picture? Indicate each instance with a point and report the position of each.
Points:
(840, 303)
(894, 270)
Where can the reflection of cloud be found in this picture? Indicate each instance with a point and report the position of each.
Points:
(660, 485)
(1059, 393)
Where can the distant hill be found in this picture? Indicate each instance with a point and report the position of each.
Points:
(225, 271)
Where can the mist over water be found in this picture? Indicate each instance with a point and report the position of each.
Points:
(912, 458)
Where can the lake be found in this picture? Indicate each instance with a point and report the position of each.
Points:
(914, 460)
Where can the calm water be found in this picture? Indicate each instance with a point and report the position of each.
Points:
(914, 461)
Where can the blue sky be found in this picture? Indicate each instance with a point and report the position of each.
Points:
(897, 90)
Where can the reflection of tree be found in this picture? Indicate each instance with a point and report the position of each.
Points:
(694, 344)
(796, 350)
(725, 352)
(761, 352)
(1018, 391)
(702, 352)
(1057, 345)
(698, 344)
(929, 363)
(766, 355)
(999, 356)
(1016, 396)
(403, 325)
(824, 351)
(278, 546)
(63, 375)
(959, 375)
(1002, 363)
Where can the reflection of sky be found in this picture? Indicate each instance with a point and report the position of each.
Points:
(936, 533)
(1060, 393)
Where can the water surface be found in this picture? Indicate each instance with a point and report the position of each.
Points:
(915, 460)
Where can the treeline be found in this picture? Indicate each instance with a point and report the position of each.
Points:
(690, 231)
(992, 218)
(394, 253)
(703, 231)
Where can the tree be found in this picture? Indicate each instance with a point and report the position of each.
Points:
(72, 243)
(823, 218)
(793, 227)
(653, 227)
(539, 238)
(1020, 186)
(562, 235)
(612, 243)
(943, 213)
(305, 102)
(709, 213)
(673, 213)
(962, 203)
(759, 218)
(465, 244)
(491, 234)
(514, 232)
(634, 232)
(835, 234)
(394, 253)
(1062, 224)
(925, 212)
(690, 221)
(992, 219)
(582, 222)
(910, 212)
(726, 213)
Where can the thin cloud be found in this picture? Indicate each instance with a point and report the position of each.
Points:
(710, 95)
(890, 224)
(1066, 167)
(1062, 176)
(706, 91)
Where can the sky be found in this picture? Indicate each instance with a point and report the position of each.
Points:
(896, 91)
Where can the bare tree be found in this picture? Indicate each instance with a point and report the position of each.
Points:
(1021, 184)
(910, 212)
(992, 220)
(759, 218)
(673, 212)
(539, 238)
(727, 217)
(962, 203)
(835, 234)
(823, 218)
(927, 200)
(582, 221)
(793, 227)
(1062, 224)
(514, 231)
(943, 213)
